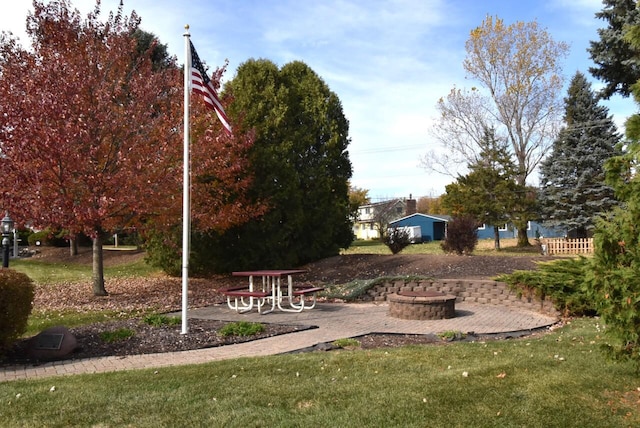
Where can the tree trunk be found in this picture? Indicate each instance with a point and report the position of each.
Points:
(73, 247)
(523, 239)
(496, 234)
(98, 268)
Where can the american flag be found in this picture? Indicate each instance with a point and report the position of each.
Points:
(201, 84)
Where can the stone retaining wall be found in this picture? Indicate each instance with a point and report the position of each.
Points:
(471, 291)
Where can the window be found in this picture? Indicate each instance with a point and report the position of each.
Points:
(483, 227)
(503, 228)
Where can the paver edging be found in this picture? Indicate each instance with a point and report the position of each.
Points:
(466, 290)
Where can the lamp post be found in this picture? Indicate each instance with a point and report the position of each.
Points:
(7, 226)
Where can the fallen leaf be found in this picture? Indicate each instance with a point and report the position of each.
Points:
(502, 375)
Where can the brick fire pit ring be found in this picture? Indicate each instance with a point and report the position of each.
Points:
(421, 305)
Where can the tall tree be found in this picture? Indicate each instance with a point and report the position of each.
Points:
(614, 277)
(357, 197)
(573, 191)
(301, 164)
(90, 132)
(617, 63)
(519, 69)
(487, 193)
(430, 205)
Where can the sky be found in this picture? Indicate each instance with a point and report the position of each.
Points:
(388, 61)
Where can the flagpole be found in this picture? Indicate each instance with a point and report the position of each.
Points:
(186, 209)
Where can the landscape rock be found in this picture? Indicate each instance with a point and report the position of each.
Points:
(52, 344)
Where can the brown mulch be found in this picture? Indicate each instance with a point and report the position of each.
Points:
(164, 294)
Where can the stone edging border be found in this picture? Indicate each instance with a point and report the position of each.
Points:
(465, 290)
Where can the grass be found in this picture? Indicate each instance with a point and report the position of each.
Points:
(241, 328)
(117, 335)
(556, 380)
(40, 320)
(484, 247)
(42, 272)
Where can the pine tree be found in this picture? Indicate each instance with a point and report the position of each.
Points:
(573, 190)
(614, 279)
(616, 60)
(489, 192)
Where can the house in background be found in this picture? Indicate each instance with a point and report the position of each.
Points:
(534, 230)
(432, 227)
(370, 216)
(403, 213)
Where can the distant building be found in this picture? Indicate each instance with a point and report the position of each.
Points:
(432, 227)
(372, 216)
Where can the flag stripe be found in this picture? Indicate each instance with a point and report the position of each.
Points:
(201, 84)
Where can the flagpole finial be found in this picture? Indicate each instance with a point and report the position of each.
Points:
(186, 27)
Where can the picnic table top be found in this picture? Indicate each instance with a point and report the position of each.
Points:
(269, 272)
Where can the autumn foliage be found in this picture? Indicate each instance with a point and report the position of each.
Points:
(91, 132)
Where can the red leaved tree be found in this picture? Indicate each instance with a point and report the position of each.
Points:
(91, 133)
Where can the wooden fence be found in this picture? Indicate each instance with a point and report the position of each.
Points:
(567, 246)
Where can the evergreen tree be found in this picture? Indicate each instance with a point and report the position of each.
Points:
(615, 277)
(573, 190)
(489, 192)
(301, 168)
(616, 61)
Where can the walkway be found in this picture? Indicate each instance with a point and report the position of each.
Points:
(334, 321)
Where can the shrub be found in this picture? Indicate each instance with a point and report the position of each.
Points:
(117, 335)
(158, 320)
(563, 281)
(241, 328)
(462, 236)
(396, 240)
(16, 300)
(614, 280)
(346, 343)
(48, 237)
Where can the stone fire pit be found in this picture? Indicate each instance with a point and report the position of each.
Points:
(421, 305)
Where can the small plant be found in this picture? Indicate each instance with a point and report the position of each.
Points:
(346, 343)
(241, 328)
(462, 236)
(397, 240)
(451, 335)
(158, 320)
(117, 335)
(16, 297)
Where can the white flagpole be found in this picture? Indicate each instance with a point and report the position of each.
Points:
(186, 209)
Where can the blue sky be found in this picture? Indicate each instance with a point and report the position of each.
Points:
(388, 61)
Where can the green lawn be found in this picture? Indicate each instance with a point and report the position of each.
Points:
(556, 380)
(484, 247)
(42, 272)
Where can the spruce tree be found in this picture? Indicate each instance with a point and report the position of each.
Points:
(614, 279)
(489, 192)
(616, 60)
(573, 190)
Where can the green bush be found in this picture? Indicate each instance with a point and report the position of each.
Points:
(241, 328)
(563, 281)
(396, 240)
(48, 237)
(117, 335)
(158, 320)
(16, 300)
(462, 235)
